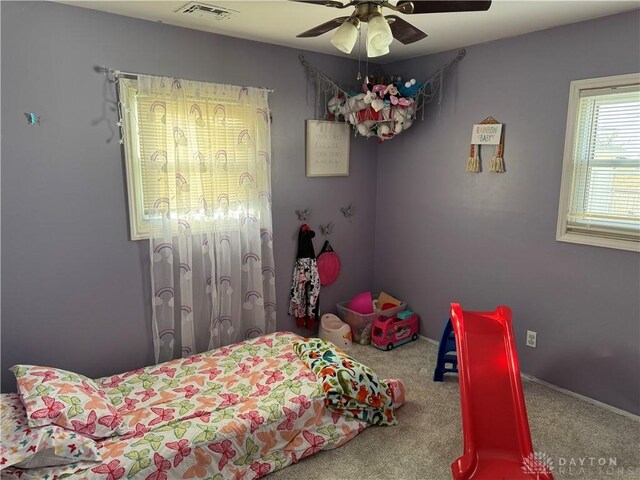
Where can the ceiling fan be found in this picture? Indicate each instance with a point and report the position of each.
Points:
(382, 29)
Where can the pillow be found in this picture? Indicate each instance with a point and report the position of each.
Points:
(67, 399)
(26, 447)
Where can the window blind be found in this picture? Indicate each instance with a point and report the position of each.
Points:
(195, 151)
(605, 193)
(211, 163)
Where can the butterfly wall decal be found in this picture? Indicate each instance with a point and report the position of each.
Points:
(326, 229)
(303, 214)
(32, 118)
(349, 211)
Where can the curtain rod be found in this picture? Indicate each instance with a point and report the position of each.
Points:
(119, 73)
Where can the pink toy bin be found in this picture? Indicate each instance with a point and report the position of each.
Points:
(361, 324)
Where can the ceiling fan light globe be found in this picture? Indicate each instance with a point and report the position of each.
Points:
(379, 33)
(373, 52)
(345, 37)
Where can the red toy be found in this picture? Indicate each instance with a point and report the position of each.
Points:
(497, 440)
(389, 332)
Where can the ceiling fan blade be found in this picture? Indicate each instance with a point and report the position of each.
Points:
(325, 3)
(437, 6)
(324, 28)
(403, 31)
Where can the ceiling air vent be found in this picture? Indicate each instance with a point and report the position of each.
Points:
(198, 9)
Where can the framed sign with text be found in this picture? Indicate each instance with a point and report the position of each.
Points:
(486, 134)
(327, 148)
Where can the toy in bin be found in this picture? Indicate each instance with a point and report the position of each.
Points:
(362, 310)
(390, 332)
(361, 303)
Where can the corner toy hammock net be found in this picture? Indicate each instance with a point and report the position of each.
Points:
(383, 107)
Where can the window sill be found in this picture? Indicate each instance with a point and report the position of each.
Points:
(615, 243)
(143, 232)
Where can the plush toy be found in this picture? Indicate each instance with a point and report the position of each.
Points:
(391, 90)
(402, 119)
(385, 113)
(335, 104)
(408, 89)
(399, 116)
(402, 101)
(379, 88)
(366, 86)
(365, 128)
(407, 123)
(381, 110)
(377, 104)
(356, 103)
(369, 97)
(384, 130)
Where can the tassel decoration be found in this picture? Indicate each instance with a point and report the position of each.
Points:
(473, 162)
(497, 162)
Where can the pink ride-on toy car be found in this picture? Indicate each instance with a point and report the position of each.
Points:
(389, 332)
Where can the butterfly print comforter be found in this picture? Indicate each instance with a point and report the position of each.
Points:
(238, 412)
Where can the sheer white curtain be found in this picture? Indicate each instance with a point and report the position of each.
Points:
(206, 150)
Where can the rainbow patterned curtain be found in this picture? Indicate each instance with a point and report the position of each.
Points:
(206, 167)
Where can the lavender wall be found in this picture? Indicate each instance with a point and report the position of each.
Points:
(75, 290)
(444, 235)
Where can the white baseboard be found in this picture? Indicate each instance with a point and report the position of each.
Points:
(433, 342)
(592, 401)
(584, 398)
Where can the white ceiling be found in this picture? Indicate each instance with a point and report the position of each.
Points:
(279, 22)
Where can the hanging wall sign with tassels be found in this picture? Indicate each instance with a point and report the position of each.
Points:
(487, 132)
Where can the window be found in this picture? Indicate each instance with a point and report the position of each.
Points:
(206, 139)
(600, 192)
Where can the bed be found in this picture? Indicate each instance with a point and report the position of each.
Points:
(239, 412)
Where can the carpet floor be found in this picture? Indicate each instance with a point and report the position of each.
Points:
(576, 435)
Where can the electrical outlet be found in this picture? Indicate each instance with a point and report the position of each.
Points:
(532, 339)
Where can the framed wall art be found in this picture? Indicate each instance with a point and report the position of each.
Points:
(327, 148)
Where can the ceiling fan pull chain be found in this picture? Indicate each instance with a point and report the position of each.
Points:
(359, 76)
(441, 83)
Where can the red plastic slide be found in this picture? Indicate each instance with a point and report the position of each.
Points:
(497, 440)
